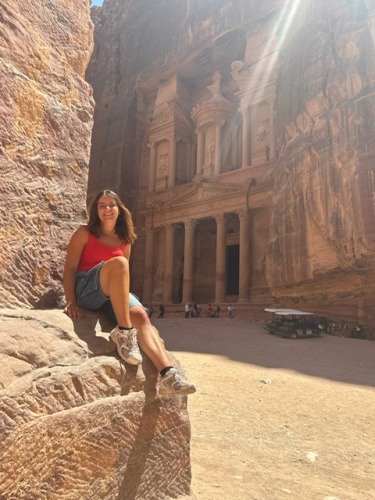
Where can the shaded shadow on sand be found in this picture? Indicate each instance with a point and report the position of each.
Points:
(335, 358)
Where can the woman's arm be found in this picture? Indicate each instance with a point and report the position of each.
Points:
(127, 250)
(73, 256)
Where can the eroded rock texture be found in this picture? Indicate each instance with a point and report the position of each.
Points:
(323, 218)
(298, 154)
(45, 128)
(76, 423)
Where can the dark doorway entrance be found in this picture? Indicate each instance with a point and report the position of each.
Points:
(233, 269)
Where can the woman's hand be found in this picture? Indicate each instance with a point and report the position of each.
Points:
(75, 248)
(73, 311)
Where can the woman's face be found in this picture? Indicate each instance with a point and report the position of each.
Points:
(108, 210)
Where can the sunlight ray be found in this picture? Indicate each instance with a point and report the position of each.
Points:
(265, 66)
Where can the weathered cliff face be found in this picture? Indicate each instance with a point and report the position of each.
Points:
(316, 85)
(45, 128)
(323, 216)
(76, 423)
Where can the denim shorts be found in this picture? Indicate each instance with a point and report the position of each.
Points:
(90, 296)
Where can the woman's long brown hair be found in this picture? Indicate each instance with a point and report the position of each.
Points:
(124, 227)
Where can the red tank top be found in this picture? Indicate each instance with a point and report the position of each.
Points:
(95, 252)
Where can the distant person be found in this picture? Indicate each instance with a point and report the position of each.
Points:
(150, 311)
(217, 311)
(357, 331)
(187, 310)
(161, 311)
(196, 310)
(210, 311)
(230, 311)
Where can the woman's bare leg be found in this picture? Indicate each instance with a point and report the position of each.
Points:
(149, 338)
(114, 282)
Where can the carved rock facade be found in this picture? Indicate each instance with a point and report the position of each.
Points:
(77, 423)
(241, 136)
(46, 116)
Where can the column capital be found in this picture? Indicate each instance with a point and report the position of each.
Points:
(220, 122)
(190, 224)
(169, 226)
(244, 214)
(201, 129)
(220, 218)
(149, 227)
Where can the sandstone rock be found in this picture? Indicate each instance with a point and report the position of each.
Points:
(45, 128)
(77, 423)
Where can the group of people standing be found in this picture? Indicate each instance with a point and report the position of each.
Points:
(192, 310)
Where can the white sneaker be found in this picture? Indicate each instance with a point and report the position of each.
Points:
(174, 382)
(127, 345)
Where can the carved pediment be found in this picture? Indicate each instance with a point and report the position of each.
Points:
(172, 121)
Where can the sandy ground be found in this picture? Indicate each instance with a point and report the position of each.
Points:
(275, 418)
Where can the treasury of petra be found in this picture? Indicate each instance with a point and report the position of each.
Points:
(241, 136)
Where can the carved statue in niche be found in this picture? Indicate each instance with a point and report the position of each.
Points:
(261, 136)
(229, 145)
(262, 148)
(215, 87)
(162, 171)
(262, 132)
(181, 174)
(183, 167)
(209, 154)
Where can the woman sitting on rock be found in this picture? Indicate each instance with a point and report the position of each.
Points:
(96, 277)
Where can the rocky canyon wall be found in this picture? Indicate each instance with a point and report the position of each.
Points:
(46, 116)
(316, 61)
(322, 229)
(75, 422)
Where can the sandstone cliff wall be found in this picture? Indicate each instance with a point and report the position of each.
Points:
(46, 115)
(74, 421)
(322, 241)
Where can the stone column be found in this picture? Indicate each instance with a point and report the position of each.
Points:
(220, 278)
(218, 146)
(190, 165)
(152, 173)
(172, 162)
(187, 293)
(200, 151)
(244, 285)
(234, 147)
(149, 265)
(245, 136)
(168, 263)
